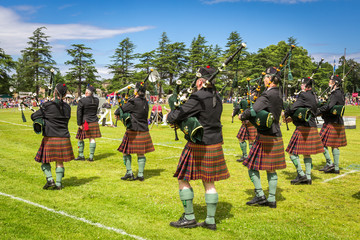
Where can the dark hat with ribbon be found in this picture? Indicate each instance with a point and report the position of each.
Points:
(90, 88)
(335, 78)
(307, 81)
(140, 87)
(61, 88)
(205, 72)
(273, 72)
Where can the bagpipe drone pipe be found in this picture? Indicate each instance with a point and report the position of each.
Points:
(191, 127)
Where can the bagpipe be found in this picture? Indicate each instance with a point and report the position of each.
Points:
(124, 117)
(191, 127)
(337, 110)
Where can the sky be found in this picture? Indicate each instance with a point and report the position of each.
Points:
(324, 27)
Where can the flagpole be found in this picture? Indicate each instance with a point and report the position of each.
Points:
(344, 68)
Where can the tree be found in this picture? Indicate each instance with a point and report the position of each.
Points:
(37, 59)
(6, 64)
(83, 72)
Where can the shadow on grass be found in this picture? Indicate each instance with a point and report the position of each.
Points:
(104, 155)
(74, 181)
(279, 196)
(223, 210)
(292, 175)
(356, 195)
(149, 173)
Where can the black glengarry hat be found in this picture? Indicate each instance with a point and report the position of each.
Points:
(335, 78)
(140, 87)
(61, 88)
(205, 72)
(307, 81)
(91, 88)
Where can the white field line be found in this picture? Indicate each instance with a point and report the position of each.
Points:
(340, 176)
(120, 231)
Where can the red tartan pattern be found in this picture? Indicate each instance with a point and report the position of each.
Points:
(306, 141)
(93, 132)
(333, 135)
(267, 153)
(55, 149)
(136, 142)
(205, 162)
(249, 134)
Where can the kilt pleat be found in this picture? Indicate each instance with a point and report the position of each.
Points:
(55, 149)
(93, 132)
(267, 153)
(306, 141)
(136, 142)
(333, 135)
(205, 162)
(247, 134)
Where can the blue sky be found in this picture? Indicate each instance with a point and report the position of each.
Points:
(323, 27)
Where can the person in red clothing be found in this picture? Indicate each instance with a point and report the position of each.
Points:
(156, 111)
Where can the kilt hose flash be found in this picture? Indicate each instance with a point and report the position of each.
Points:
(247, 132)
(93, 132)
(267, 153)
(205, 162)
(333, 135)
(305, 141)
(55, 149)
(136, 142)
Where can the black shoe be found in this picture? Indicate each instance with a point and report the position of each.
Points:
(241, 159)
(128, 176)
(80, 158)
(206, 225)
(326, 167)
(299, 180)
(90, 159)
(257, 200)
(49, 184)
(57, 187)
(269, 204)
(184, 223)
(332, 170)
(139, 178)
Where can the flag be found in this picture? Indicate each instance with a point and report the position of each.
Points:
(334, 67)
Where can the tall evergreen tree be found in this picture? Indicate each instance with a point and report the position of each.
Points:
(83, 71)
(37, 59)
(6, 65)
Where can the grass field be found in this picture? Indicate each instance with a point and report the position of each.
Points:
(101, 206)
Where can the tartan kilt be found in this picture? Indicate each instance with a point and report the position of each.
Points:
(136, 142)
(55, 149)
(93, 132)
(267, 153)
(333, 135)
(306, 141)
(205, 162)
(243, 133)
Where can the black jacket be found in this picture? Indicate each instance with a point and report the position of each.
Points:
(56, 121)
(139, 111)
(305, 100)
(87, 110)
(200, 105)
(270, 100)
(336, 98)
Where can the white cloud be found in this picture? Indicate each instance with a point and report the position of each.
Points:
(15, 33)
(273, 1)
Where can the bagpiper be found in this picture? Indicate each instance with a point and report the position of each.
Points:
(332, 133)
(305, 139)
(267, 153)
(202, 160)
(55, 145)
(87, 120)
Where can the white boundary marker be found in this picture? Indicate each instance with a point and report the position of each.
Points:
(340, 176)
(74, 217)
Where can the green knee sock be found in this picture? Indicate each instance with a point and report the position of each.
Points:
(141, 163)
(327, 156)
(81, 146)
(127, 163)
(46, 167)
(255, 178)
(187, 196)
(211, 200)
(60, 172)
(272, 180)
(336, 155)
(243, 146)
(308, 167)
(296, 160)
(92, 149)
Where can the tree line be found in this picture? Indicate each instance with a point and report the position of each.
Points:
(172, 60)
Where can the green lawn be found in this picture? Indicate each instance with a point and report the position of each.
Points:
(94, 191)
